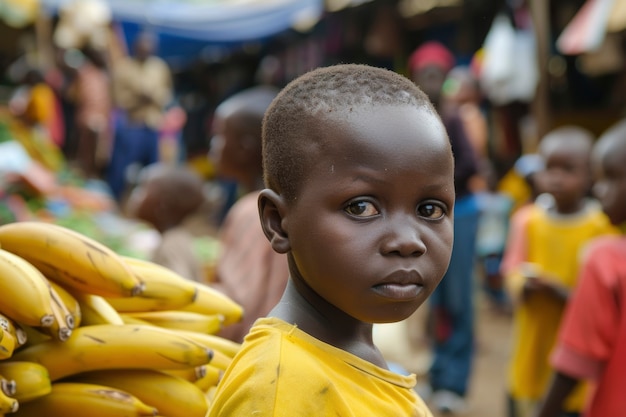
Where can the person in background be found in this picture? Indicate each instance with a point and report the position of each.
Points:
(452, 309)
(592, 338)
(541, 263)
(34, 102)
(248, 270)
(142, 87)
(92, 99)
(165, 197)
(340, 145)
(461, 90)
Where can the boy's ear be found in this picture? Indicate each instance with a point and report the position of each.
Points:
(272, 210)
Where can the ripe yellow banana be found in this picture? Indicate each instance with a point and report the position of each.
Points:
(31, 379)
(164, 289)
(25, 295)
(59, 329)
(170, 395)
(214, 342)
(15, 329)
(68, 304)
(211, 379)
(108, 346)
(211, 301)
(8, 386)
(78, 399)
(8, 404)
(70, 258)
(181, 320)
(35, 335)
(96, 310)
(188, 374)
(8, 343)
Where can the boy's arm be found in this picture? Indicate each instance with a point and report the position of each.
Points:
(515, 254)
(560, 388)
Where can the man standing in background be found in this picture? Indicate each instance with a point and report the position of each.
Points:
(142, 87)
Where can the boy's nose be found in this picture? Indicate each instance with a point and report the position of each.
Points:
(404, 239)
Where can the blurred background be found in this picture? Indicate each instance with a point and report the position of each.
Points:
(536, 65)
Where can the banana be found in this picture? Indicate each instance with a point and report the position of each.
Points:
(219, 360)
(31, 379)
(15, 329)
(8, 386)
(211, 301)
(8, 343)
(79, 399)
(140, 304)
(59, 329)
(70, 258)
(181, 320)
(35, 335)
(164, 289)
(227, 347)
(133, 320)
(8, 404)
(171, 395)
(68, 304)
(108, 346)
(211, 379)
(188, 374)
(96, 310)
(25, 295)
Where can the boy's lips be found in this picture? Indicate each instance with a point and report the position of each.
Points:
(401, 285)
(398, 291)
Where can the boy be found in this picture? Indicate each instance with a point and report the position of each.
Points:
(592, 339)
(165, 198)
(248, 270)
(360, 195)
(541, 262)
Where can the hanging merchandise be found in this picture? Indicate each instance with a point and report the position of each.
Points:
(82, 23)
(617, 17)
(509, 67)
(19, 13)
(587, 30)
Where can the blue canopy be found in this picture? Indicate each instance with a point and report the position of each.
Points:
(211, 20)
(186, 28)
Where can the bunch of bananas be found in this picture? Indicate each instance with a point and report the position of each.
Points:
(85, 331)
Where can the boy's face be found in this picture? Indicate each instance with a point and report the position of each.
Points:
(227, 148)
(143, 201)
(610, 184)
(566, 177)
(371, 228)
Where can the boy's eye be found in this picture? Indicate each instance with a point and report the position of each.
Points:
(361, 209)
(431, 211)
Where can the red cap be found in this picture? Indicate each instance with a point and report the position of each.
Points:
(431, 53)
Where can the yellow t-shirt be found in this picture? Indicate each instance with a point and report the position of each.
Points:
(283, 371)
(553, 246)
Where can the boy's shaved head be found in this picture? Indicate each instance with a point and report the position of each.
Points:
(612, 143)
(180, 189)
(575, 138)
(295, 117)
(249, 107)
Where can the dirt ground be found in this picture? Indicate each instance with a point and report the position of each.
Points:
(487, 395)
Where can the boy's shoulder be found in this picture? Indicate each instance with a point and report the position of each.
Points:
(284, 371)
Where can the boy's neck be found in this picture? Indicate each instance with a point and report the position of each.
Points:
(327, 323)
(574, 208)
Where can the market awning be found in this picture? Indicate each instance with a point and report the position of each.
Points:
(218, 21)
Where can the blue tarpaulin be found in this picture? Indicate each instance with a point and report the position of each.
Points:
(186, 27)
(211, 20)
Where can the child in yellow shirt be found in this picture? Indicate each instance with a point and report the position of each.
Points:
(541, 262)
(359, 194)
